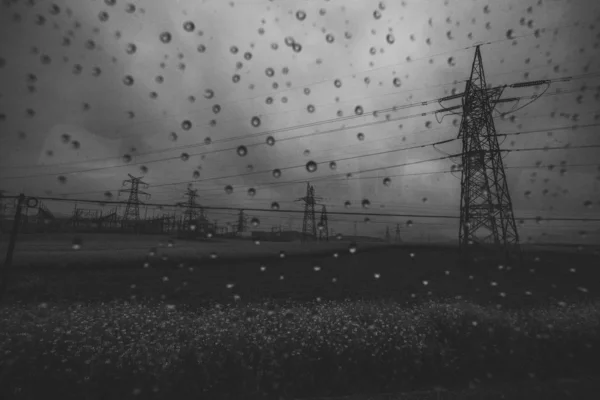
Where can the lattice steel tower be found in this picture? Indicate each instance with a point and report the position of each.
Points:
(323, 225)
(309, 227)
(192, 211)
(486, 212)
(132, 210)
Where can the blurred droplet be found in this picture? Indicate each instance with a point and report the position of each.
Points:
(301, 15)
(358, 110)
(352, 248)
(242, 151)
(333, 165)
(311, 166)
(270, 140)
(360, 136)
(165, 37)
(228, 189)
(387, 181)
(274, 206)
(189, 26)
(276, 173)
(366, 203)
(186, 125)
(255, 122)
(310, 108)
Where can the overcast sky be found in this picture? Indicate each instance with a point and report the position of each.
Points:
(123, 79)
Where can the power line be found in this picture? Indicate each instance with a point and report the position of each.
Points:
(441, 216)
(339, 119)
(387, 120)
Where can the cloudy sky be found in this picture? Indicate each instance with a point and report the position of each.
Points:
(94, 90)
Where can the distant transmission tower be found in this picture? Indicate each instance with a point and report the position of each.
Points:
(242, 224)
(486, 211)
(309, 227)
(192, 211)
(132, 210)
(323, 226)
(387, 234)
(398, 239)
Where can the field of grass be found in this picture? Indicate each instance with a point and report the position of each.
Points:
(321, 321)
(268, 350)
(128, 249)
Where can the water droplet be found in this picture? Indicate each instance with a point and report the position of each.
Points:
(387, 181)
(228, 189)
(185, 156)
(270, 72)
(255, 122)
(397, 82)
(347, 204)
(358, 110)
(337, 83)
(251, 192)
(189, 26)
(165, 37)
(409, 223)
(270, 140)
(329, 38)
(360, 136)
(352, 248)
(317, 268)
(233, 49)
(390, 38)
(276, 173)
(126, 158)
(376, 14)
(297, 47)
(274, 206)
(333, 165)
(242, 151)
(196, 174)
(310, 108)
(186, 125)
(209, 93)
(311, 166)
(301, 15)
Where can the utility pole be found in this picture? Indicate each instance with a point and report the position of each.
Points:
(309, 227)
(132, 210)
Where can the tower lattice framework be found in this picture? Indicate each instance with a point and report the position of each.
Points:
(486, 211)
(132, 210)
(323, 225)
(309, 227)
(192, 210)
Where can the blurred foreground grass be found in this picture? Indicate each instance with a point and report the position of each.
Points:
(285, 350)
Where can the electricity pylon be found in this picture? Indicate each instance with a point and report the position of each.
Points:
(242, 222)
(192, 210)
(486, 211)
(132, 210)
(398, 239)
(309, 227)
(323, 226)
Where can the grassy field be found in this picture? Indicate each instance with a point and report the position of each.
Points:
(321, 321)
(251, 351)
